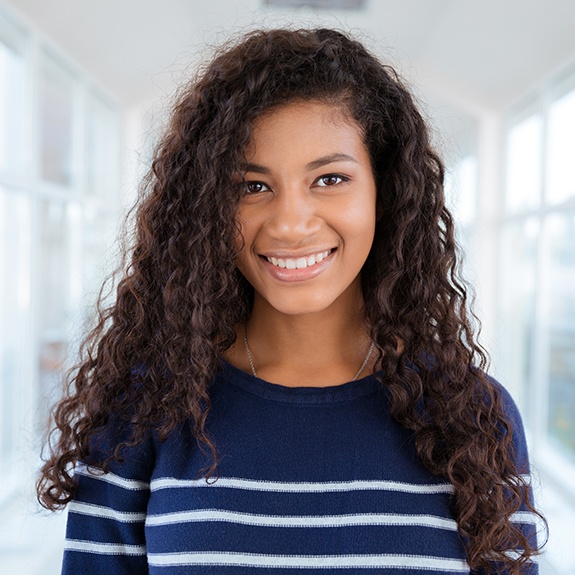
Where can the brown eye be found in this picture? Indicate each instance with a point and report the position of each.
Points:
(330, 180)
(255, 187)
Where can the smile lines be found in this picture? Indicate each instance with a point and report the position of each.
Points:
(298, 263)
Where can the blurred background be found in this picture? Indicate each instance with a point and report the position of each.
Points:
(84, 89)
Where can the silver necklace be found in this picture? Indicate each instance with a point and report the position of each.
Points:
(254, 369)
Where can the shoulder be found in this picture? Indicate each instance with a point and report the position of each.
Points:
(118, 436)
(115, 448)
(506, 401)
(505, 398)
(512, 417)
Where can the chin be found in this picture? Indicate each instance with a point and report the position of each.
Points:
(301, 306)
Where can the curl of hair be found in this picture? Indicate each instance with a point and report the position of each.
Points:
(154, 352)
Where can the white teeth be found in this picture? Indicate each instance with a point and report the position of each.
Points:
(299, 263)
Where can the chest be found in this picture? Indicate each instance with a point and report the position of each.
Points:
(296, 496)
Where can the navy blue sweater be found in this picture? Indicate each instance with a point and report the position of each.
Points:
(311, 479)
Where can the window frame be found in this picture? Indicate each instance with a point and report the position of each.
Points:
(34, 47)
(536, 403)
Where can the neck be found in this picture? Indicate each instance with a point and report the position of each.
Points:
(319, 349)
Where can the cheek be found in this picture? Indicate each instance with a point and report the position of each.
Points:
(360, 223)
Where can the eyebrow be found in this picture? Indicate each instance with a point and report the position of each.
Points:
(313, 165)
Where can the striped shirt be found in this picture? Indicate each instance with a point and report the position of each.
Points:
(310, 480)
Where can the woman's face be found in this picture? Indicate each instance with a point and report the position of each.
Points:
(309, 208)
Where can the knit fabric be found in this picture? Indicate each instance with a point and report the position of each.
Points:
(311, 480)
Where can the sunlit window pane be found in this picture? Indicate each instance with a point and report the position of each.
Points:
(101, 149)
(54, 309)
(524, 146)
(11, 101)
(15, 231)
(560, 181)
(99, 258)
(561, 234)
(56, 122)
(517, 297)
(460, 199)
(461, 190)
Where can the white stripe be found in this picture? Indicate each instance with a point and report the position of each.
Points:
(308, 561)
(104, 548)
(112, 478)
(301, 520)
(513, 554)
(106, 512)
(524, 517)
(302, 487)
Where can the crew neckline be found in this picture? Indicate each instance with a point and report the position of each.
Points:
(339, 393)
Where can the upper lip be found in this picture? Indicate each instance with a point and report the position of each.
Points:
(304, 254)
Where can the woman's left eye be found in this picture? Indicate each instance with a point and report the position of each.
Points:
(251, 188)
(330, 180)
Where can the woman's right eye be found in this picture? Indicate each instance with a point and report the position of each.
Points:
(255, 187)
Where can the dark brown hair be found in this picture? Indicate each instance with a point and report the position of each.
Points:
(154, 352)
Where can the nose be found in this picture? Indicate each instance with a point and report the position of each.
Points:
(293, 215)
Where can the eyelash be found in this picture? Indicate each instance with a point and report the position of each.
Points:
(341, 179)
(248, 183)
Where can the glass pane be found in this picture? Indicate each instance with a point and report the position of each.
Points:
(517, 300)
(11, 99)
(54, 310)
(56, 122)
(461, 190)
(560, 184)
(561, 234)
(101, 149)
(15, 230)
(524, 165)
(99, 228)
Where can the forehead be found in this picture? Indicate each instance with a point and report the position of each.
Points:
(304, 127)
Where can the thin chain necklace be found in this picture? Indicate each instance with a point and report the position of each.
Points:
(254, 369)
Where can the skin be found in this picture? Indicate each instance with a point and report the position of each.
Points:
(309, 189)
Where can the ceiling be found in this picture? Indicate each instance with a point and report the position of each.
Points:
(487, 52)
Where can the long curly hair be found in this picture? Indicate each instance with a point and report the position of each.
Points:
(154, 352)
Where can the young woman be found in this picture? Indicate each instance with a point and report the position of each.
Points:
(289, 378)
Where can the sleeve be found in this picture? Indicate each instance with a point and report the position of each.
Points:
(105, 527)
(526, 520)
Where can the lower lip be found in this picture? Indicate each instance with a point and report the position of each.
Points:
(297, 275)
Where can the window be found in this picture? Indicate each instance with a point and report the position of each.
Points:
(537, 295)
(461, 200)
(58, 204)
(15, 320)
(12, 85)
(560, 253)
(524, 164)
(57, 89)
(455, 135)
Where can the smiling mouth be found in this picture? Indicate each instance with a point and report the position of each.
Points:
(299, 263)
